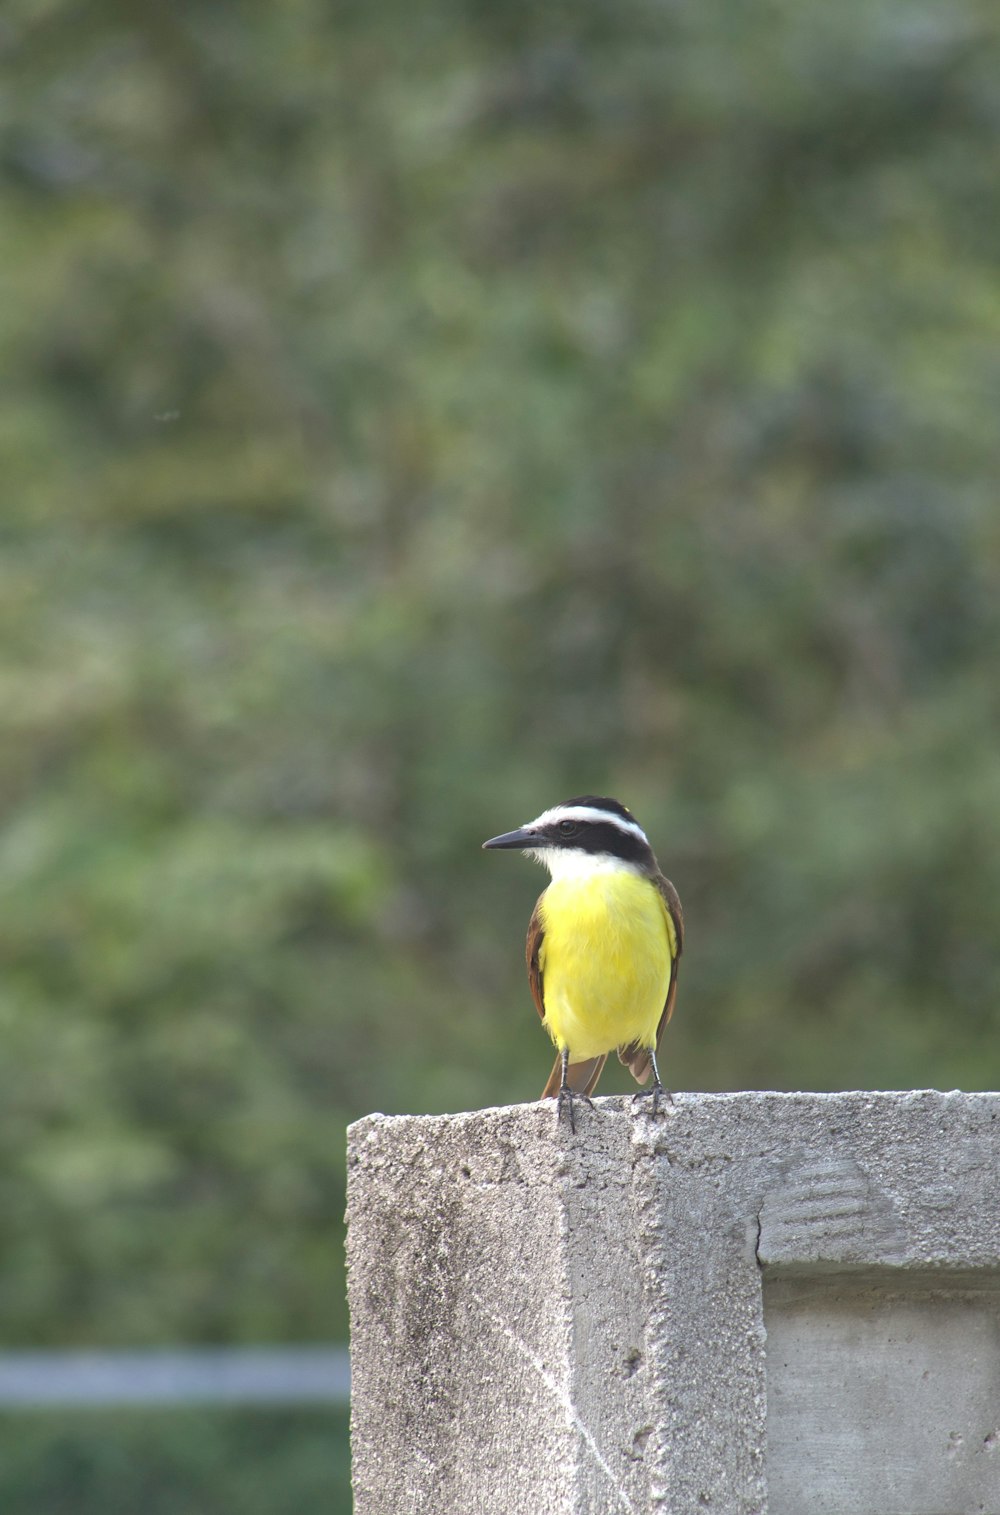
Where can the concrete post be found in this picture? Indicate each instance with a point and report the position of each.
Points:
(756, 1303)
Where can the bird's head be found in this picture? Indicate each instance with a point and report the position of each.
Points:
(588, 834)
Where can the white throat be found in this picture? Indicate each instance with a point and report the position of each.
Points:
(573, 862)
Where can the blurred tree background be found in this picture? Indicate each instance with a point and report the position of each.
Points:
(412, 417)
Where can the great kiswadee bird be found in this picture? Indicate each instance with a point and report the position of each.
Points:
(603, 944)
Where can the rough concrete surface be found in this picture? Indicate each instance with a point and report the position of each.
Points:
(548, 1323)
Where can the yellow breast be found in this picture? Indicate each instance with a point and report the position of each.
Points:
(605, 962)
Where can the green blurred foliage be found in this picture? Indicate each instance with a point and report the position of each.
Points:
(164, 1462)
(410, 418)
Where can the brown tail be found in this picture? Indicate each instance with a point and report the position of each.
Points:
(581, 1077)
(637, 1060)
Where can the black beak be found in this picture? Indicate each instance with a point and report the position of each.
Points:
(523, 837)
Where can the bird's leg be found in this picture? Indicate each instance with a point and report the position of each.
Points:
(568, 1094)
(565, 1092)
(656, 1089)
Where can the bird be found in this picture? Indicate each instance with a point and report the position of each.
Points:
(603, 947)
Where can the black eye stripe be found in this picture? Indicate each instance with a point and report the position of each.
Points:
(600, 837)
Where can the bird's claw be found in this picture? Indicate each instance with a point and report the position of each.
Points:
(567, 1095)
(656, 1093)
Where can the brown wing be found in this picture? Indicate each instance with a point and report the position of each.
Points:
(532, 952)
(634, 1057)
(672, 901)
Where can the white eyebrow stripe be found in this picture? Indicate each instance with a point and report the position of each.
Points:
(589, 813)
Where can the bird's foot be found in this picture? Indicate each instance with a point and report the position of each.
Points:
(656, 1093)
(566, 1096)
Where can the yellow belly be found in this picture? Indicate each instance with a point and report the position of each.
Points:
(605, 962)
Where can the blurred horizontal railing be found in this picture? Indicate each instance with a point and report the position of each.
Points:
(232, 1375)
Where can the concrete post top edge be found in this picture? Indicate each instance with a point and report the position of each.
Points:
(621, 1104)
